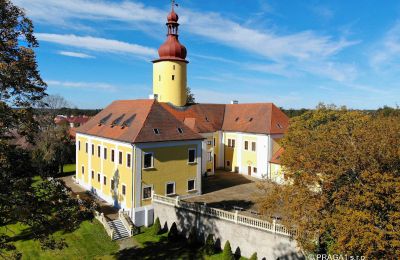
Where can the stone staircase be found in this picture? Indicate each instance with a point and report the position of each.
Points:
(120, 231)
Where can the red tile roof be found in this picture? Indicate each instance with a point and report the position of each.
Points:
(276, 158)
(260, 118)
(145, 116)
(202, 118)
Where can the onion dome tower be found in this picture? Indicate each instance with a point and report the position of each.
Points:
(169, 70)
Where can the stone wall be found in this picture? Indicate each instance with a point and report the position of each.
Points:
(244, 240)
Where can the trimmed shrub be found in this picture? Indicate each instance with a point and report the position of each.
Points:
(156, 228)
(227, 253)
(192, 239)
(173, 234)
(209, 247)
(253, 256)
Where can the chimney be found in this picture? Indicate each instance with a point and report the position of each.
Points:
(235, 102)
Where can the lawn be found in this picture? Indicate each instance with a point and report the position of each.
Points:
(89, 241)
(69, 168)
(158, 247)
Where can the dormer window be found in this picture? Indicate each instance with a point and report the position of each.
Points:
(180, 130)
(173, 77)
(156, 131)
(279, 126)
(207, 119)
(237, 119)
(251, 119)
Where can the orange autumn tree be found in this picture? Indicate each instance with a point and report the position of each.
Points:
(344, 195)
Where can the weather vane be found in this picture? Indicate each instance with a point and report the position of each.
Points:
(173, 4)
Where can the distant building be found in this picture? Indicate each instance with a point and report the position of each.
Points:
(72, 121)
(133, 148)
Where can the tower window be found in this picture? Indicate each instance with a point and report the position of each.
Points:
(159, 77)
(173, 66)
(173, 77)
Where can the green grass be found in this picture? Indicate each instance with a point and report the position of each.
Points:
(89, 241)
(158, 247)
(69, 168)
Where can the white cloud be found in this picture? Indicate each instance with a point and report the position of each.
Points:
(82, 85)
(76, 54)
(387, 51)
(97, 44)
(323, 11)
(290, 50)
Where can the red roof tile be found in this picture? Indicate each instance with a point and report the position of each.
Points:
(260, 118)
(145, 115)
(276, 158)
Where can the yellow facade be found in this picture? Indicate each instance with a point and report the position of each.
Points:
(230, 152)
(100, 168)
(170, 164)
(249, 157)
(169, 82)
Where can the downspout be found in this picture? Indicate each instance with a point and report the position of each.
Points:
(133, 164)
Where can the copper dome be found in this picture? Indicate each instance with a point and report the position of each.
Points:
(172, 48)
(172, 16)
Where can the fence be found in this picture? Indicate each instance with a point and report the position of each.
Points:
(226, 215)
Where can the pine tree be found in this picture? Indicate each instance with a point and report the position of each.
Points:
(227, 253)
(209, 247)
(156, 228)
(173, 233)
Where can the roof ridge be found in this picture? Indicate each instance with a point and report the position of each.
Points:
(144, 122)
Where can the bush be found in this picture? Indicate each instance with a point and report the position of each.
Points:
(156, 228)
(227, 253)
(173, 234)
(209, 247)
(192, 240)
(253, 256)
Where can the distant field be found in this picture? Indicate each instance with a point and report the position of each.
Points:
(88, 242)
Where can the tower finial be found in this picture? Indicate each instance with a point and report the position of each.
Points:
(173, 4)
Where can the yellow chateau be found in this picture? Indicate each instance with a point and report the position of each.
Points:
(161, 145)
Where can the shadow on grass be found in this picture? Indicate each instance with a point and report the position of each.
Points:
(162, 250)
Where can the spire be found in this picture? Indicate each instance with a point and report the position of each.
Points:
(172, 49)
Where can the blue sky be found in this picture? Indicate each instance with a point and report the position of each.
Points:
(292, 53)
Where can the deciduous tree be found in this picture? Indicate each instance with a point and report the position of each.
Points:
(344, 191)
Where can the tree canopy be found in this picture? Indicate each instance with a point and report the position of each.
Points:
(27, 196)
(344, 190)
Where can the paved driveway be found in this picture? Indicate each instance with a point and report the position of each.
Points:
(227, 190)
(109, 211)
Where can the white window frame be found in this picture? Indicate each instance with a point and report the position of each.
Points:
(99, 149)
(144, 187)
(99, 177)
(195, 155)
(174, 192)
(130, 161)
(83, 169)
(244, 145)
(194, 185)
(152, 160)
(209, 142)
(122, 189)
(120, 157)
(209, 156)
(255, 146)
(112, 155)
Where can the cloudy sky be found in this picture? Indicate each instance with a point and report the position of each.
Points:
(293, 53)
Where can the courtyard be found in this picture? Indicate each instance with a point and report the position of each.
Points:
(229, 191)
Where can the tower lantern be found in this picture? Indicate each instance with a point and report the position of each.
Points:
(169, 70)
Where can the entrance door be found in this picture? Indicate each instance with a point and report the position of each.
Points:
(249, 170)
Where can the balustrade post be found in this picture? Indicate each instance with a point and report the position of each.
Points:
(236, 216)
(274, 225)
